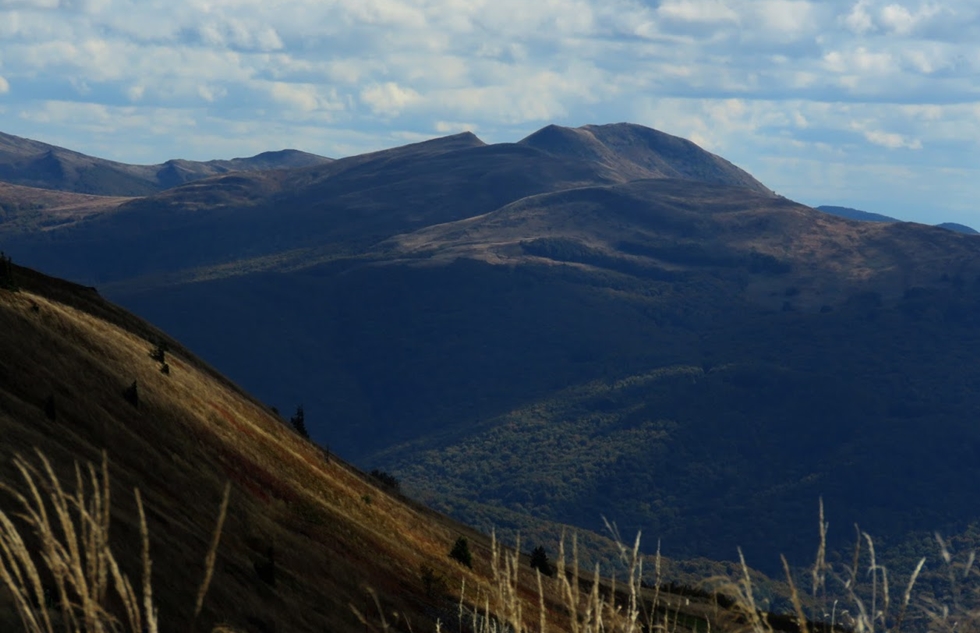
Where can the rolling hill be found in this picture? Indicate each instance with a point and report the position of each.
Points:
(604, 321)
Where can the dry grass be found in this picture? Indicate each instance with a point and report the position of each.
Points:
(574, 603)
(862, 596)
(57, 562)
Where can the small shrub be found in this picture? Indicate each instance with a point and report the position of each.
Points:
(35, 308)
(132, 395)
(299, 422)
(386, 480)
(435, 584)
(165, 369)
(7, 273)
(159, 353)
(461, 552)
(50, 411)
(266, 569)
(539, 561)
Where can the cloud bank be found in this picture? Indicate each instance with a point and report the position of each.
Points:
(871, 103)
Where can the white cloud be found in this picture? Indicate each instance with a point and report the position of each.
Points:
(898, 19)
(30, 4)
(388, 99)
(787, 19)
(211, 93)
(306, 98)
(858, 19)
(891, 140)
(709, 11)
(454, 127)
(859, 60)
(232, 32)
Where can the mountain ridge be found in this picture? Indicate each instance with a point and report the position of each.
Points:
(867, 216)
(35, 164)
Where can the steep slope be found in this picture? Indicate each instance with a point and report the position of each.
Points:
(35, 164)
(634, 152)
(305, 533)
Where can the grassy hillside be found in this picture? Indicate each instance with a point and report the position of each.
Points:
(27, 210)
(305, 533)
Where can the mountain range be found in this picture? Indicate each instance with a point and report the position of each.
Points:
(600, 321)
(35, 164)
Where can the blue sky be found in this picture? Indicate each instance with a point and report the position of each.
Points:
(867, 103)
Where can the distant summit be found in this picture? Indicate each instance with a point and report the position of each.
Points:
(867, 216)
(634, 152)
(856, 214)
(958, 228)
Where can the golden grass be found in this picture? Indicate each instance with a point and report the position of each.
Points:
(62, 573)
(568, 601)
(192, 431)
(859, 596)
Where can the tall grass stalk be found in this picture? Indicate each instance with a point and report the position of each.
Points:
(500, 608)
(63, 576)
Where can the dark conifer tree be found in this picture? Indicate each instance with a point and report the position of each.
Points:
(6, 272)
(299, 422)
(461, 552)
(539, 561)
(132, 395)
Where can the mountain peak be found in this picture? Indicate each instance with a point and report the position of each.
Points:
(460, 140)
(633, 152)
